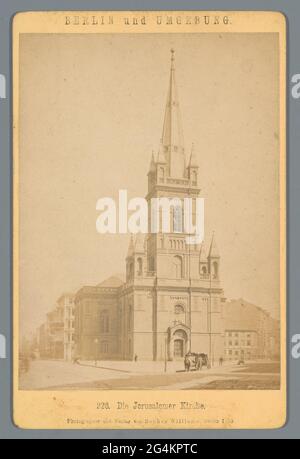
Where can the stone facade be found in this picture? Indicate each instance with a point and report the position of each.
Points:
(54, 339)
(66, 305)
(98, 321)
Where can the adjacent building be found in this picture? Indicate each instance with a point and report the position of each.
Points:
(55, 337)
(98, 321)
(55, 329)
(66, 306)
(250, 332)
(43, 341)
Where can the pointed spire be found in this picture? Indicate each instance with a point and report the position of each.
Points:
(213, 250)
(139, 245)
(152, 164)
(193, 159)
(172, 136)
(130, 247)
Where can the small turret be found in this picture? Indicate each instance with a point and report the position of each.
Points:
(193, 167)
(214, 259)
(161, 164)
(130, 260)
(152, 172)
(161, 158)
(152, 167)
(139, 254)
(203, 264)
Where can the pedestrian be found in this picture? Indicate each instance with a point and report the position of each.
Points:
(221, 360)
(135, 358)
(187, 362)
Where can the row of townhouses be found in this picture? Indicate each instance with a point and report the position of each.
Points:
(55, 337)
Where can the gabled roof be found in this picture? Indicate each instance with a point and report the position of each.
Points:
(112, 282)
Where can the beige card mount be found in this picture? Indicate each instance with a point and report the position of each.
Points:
(149, 220)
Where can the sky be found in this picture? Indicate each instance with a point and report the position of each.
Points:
(91, 113)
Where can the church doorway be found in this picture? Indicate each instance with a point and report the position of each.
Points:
(178, 348)
(178, 341)
(179, 344)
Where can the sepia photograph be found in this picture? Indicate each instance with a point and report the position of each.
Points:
(149, 210)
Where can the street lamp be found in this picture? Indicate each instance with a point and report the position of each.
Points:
(96, 341)
(209, 319)
(165, 353)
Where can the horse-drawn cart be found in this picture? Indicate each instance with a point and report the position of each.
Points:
(195, 362)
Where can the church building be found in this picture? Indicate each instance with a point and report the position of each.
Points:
(171, 300)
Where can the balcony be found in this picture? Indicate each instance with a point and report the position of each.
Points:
(182, 182)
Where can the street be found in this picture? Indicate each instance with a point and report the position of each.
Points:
(62, 375)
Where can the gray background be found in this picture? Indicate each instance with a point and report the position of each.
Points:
(291, 9)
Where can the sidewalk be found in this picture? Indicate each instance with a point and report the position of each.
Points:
(61, 375)
(148, 367)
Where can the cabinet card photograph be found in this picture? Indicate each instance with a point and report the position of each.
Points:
(149, 222)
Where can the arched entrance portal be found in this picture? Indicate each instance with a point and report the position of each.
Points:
(178, 343)
(178, 348)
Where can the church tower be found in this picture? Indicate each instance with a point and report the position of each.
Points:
(176, 296)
